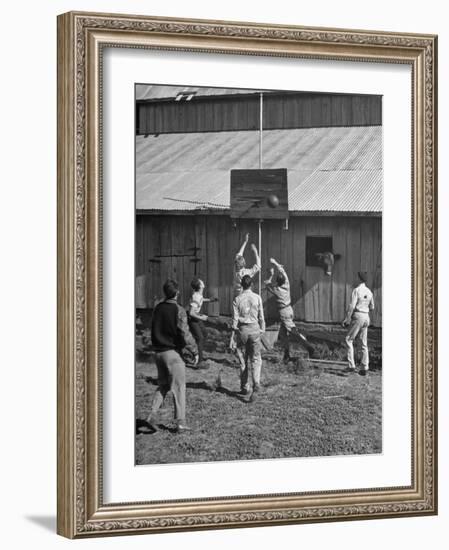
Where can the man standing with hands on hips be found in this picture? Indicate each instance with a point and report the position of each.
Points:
(357, 317)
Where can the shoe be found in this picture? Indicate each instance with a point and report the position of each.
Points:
(183, 428)
(151, 421)
(243, 391)
(349, 370)
(286, 359)
(256, 388)
(363, 372)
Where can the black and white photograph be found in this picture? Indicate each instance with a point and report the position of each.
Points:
(258, 274)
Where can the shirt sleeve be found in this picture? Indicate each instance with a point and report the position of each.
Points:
(253, 270)
(371, 304)
(186, 339)
(352, 304)
(261, 316)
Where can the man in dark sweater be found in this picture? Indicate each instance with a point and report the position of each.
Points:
(170, 335)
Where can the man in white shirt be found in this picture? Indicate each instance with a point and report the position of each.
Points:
(249, 323)
(357, 317)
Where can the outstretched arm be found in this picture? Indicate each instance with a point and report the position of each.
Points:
(185, 337)
(256, 254)
(280, 268)
(242, 248)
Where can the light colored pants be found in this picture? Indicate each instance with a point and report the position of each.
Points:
(248, 350)
(288, 330)
(359, 326)
(287, 326)
(171, 376)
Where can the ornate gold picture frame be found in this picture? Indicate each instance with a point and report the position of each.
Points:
(82, 39)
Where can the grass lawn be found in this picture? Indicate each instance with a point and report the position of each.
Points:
(303, 410)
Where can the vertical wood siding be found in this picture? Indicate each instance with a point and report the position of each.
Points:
(316, 297)
(217, 114)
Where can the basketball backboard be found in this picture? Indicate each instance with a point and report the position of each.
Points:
(259, 194)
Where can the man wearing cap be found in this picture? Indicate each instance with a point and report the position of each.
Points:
(357, 317)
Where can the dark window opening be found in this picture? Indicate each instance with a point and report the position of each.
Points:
(316, 246)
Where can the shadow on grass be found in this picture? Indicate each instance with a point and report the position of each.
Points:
(142, 427)
(216, 389)
(229, 393)
(224, 361)
(202, 386)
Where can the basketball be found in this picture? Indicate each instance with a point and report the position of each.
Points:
(272, 201)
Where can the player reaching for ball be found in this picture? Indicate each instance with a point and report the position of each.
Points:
(281, 290)
(240, 269)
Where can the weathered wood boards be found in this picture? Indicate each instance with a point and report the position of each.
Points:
(316, 297)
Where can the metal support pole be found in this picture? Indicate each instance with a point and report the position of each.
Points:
(260, 130)
(260, 256)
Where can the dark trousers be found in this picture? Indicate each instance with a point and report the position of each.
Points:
(198, 332)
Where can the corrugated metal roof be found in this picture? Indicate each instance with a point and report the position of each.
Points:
(149, 91)
(329, 169)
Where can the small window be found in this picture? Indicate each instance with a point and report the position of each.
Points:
(314, 246)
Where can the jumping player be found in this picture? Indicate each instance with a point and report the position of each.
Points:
(240, 269)
(281, 290)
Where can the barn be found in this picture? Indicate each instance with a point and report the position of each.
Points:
(187, 142)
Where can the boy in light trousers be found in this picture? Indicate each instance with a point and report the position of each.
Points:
(248, 324)
(357, 317)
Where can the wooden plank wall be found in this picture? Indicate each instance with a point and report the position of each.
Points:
(316, 297)
(217, 114)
